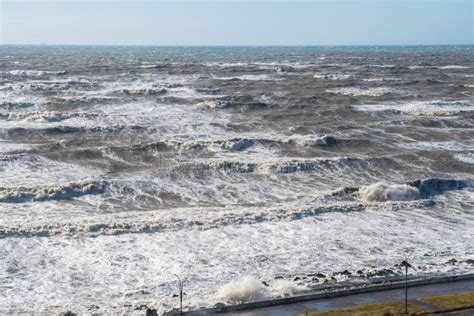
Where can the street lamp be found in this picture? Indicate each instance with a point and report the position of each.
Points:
(180, 285)
(406, 265)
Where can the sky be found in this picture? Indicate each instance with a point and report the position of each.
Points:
(233, 22)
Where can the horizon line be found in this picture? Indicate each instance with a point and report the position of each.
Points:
(236, 45)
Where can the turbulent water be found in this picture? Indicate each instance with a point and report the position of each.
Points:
(248, 172)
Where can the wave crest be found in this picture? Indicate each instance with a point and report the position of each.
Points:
(52, 192)
(155, 222)
(382, 192)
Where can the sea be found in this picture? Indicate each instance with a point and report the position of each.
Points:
(248, 173)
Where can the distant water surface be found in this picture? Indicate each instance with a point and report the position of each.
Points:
(229, 166)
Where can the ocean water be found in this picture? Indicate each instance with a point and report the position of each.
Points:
(249, 172)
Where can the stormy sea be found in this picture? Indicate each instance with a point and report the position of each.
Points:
(247, 172)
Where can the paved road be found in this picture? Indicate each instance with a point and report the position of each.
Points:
(359, 299)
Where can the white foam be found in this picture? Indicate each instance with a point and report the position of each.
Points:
(149, 66)
(334, 76)
(44, 116)
(244, 290)
(34, 73)
(226, 64)
(282, 287)
(465, 157)
(382, 192)
(14, 147)
(114, 271)
(310, 140)
(355, 91)
(32, 170)
(426, 145)
(453, 67)
(51, 192)
(435, 107)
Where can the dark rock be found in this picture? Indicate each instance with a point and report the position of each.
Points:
(69, 313)
(151, 312)
(359, 272)
(320, 275)
(264, 283)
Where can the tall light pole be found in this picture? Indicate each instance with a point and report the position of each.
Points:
(406, 265)
(180, 285)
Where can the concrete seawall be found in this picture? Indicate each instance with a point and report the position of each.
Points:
(324, 295)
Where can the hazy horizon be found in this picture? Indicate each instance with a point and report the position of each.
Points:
(237, 23)
(235, 45)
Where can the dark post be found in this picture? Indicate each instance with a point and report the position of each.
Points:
(181, 300)
(406, 265)
(180, 285)
(406, 290)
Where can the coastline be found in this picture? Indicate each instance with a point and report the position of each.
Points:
(327, 293)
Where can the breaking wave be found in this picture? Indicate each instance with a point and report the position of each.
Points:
(71, 129)
(286, 166)
(249, 289)
(453, 67)
(354, 91)
(235, 144)
(312, 141)
(35, 73)
(52, 192)
(239, 144)
(44, 116)
(157, 221)
(435, 107)
(15, 105)
(382, 192)
(335, 77)
(242, 102)
(245, 290)
(144, 91)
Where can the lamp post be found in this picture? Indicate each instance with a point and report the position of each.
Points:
(180, 285)
(406, 265)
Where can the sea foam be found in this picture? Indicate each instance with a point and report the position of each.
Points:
(382, 192)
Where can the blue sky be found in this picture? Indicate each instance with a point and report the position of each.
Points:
(232, 22)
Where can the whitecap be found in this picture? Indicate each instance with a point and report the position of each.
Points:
(453, 67)
(382, 192)
(355, 91)
(435, 107)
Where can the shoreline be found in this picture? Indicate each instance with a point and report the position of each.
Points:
(326, 293)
